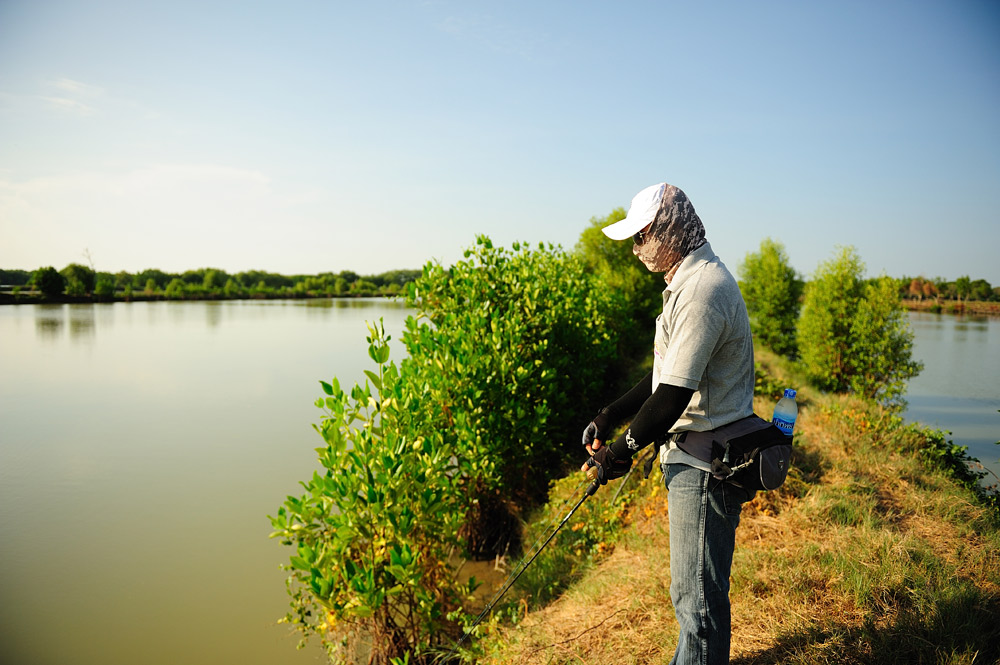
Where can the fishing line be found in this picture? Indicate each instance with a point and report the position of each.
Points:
(514, 576)
(555, 516)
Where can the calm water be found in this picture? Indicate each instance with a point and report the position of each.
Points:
(141, 447)
(959, 389)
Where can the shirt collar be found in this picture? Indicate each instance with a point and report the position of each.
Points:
(690, 265)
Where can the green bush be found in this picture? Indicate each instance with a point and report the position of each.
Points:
(374, 530)
(80, 280)
(771, 289)
(49, 281)
(882, 358)
(852, 336)
(519, 342)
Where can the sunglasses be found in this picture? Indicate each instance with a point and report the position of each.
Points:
(640, 236)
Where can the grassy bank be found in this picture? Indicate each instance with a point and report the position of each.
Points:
(870, 553)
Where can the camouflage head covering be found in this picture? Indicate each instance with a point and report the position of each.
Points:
(675, 232)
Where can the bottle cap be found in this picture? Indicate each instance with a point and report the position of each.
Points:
(790, 393)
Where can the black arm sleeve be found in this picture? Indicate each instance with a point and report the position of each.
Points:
(629, 404)
(656, 416)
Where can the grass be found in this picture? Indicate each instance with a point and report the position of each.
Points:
(869, 553)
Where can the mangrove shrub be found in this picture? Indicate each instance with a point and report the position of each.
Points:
(373, 532)
(852, 335)
(771, 289)
(518, 341)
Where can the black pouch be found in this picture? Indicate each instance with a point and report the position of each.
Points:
(750, 452)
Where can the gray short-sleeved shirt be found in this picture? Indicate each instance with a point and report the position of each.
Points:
(703, 342)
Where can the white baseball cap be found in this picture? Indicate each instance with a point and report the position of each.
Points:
(640, 213)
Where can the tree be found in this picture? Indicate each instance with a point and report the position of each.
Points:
(771, 289)
(614, 265)
(105, 289)
(14, 277)
(233, 289)
(80, 279)
(980, 289)
(930, 290)
(159, 278)
(852, 336)
(963, 287)
(175, 289)
(881, 356)
(49, 281)
(213, 280)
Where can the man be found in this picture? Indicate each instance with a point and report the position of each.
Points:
(702, 379)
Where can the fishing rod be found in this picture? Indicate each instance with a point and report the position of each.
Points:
(621, 485)
(513, 577)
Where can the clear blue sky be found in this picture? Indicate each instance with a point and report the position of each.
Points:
(308, 136)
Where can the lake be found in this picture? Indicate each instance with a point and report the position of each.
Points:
(143, 444)
(959, 388)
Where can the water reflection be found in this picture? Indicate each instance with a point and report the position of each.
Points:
(213, 314)
(81, 323)
(48, 322)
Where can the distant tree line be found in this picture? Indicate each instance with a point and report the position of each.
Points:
(77, 281)
(963, 289)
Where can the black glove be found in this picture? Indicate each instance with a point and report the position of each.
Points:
(604, 466)
(599, 428)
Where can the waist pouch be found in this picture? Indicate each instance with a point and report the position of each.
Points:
(750, 452)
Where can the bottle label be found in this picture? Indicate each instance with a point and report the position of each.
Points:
(784, 425)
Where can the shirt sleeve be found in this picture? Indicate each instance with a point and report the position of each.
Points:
(696, 328)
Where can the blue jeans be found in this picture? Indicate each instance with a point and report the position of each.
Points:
(704, 514)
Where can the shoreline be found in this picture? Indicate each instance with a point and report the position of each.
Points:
(9, 299)
(975, 307)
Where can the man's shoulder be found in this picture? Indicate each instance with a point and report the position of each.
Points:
(712, 280)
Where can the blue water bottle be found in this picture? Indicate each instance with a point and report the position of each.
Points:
(785, 413)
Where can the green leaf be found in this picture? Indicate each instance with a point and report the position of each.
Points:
(327, 388)
(373, 377)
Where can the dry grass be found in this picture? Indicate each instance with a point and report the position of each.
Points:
(863, 556)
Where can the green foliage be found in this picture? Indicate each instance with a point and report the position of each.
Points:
(80, 280)
(616, 269)
(175, 289)
(14, 277)
(963, 287)
(852, 336)
(513, 344)
(49, 281)
(771, 289)
(233, 289)
(881, 360)
(213, 279)
(104, 291)
(373, 532)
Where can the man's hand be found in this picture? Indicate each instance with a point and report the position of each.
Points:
(596, 432)
(604, 466)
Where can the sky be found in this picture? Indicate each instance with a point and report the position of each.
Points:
(310, 136)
